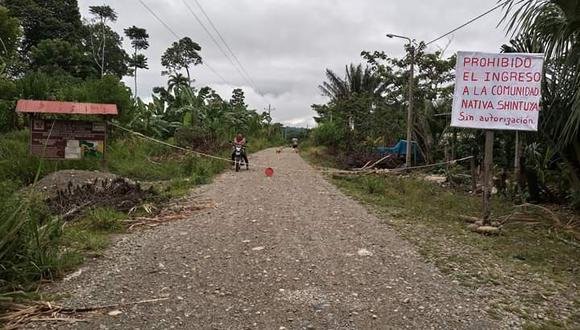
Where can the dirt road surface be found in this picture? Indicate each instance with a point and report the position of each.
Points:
(288, 252)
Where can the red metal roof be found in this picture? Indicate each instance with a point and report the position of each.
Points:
(71, 108)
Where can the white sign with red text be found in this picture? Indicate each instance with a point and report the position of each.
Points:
(497, 91)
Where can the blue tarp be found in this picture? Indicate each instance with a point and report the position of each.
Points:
(400, 149)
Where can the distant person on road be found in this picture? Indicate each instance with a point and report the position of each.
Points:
(295, 143)
(241, 140)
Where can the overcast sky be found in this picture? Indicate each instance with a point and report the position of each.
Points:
(285, 45)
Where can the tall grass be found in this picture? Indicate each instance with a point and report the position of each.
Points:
(35, 244)
(129, 157)
(28, 245)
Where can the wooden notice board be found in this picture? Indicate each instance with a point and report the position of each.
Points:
(68, 139)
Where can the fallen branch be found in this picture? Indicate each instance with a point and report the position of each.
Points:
(56, 319)
(45, 311)
(486, 230)
(400, 170)
(364, 167)
(97, 308)
(381, 160)
(169, 216)
(555, 218)
(74, 211)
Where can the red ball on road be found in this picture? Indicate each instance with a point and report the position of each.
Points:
(269, 172)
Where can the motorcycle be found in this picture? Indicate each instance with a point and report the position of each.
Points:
(239, 151)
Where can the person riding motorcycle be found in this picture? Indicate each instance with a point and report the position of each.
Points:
(240, 140)
(294, 143)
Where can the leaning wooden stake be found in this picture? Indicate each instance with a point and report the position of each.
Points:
(474, 176)
(487, 178)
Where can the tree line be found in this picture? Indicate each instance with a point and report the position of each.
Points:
(48, 51)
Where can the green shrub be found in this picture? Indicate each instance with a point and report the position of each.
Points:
(105, 219)
(78, 238)
(328, 134)
(28, 243)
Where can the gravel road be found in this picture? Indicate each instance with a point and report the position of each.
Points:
(287, 252)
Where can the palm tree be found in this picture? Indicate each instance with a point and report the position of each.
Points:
(177, 81)
(353, 96)
(139, 40)
(356, 81)
(555, 25)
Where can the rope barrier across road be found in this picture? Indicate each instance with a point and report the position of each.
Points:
(325, 170)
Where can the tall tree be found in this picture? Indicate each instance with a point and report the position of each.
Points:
(103, 14)
(238, 99)
(58, 57)
(9, 34)
(353, 95)
(433, 85)
(176, 81)
(357, 80)
(139, 40)
(116, 57)
(181, 55)
(47, 19)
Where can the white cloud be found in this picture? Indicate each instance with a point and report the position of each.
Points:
(286, 45)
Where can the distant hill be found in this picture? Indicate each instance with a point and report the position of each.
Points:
(295, 132)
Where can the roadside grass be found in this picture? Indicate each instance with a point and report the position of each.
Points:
(527, 271)
(36, 246)
(91, 234)
(318, 156)
(29, 249)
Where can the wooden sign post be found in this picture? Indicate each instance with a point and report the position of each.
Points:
(496, 92)
(487, 178)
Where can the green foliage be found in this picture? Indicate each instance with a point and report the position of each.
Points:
(370, 104)
(59, 57)
(139, 40)
(138, 36)
(238, 99)
(105, 219)
(103, 13)
(357, 81)
(143, 160)
(374, 186)
(138, 61)
(28, 244)
(329, 134)
(8, 117)
(552, 27)
(17, 165)
(47, 19)
(39, 86)
(181, 55)
(9, 34)
(63, 59)
(79, 237)
(105, 47)
(109, 89)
